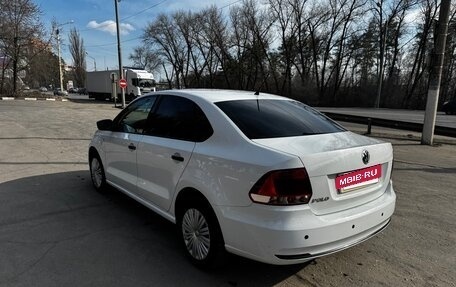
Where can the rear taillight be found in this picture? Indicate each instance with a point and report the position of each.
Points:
(282, 187)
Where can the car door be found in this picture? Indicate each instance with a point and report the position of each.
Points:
(166, 148)
(121, 145)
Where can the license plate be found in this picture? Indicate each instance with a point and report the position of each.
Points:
(358, 178)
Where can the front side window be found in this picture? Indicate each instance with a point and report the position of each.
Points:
(265, 118)
(134, 118)
(179, 118)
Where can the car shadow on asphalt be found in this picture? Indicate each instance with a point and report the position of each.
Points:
(58, 223)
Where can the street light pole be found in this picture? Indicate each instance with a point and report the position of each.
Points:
(119, 52)
(57, 32)
(60, 61)
(94, 62)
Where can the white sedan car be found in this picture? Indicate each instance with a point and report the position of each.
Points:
(258, 175)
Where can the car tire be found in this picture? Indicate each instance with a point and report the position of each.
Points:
(200, 235)
(97, 173)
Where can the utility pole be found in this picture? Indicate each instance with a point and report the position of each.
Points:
(57, 32)
(383, 32)
(119, 52)
(60, 60)
(435, 76)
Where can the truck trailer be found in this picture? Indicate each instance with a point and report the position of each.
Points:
(139, 82)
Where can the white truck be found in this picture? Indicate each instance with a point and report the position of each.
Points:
(139, 82)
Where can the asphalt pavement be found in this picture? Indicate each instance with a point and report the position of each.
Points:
(56, 230)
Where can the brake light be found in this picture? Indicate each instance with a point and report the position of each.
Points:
(282, 187)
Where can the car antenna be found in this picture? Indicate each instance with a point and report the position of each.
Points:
(258, 102)
(257, 93)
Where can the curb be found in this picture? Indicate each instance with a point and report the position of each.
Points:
(33, 99)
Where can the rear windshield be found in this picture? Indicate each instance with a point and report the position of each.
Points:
(264, 118)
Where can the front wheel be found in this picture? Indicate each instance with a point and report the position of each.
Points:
(97, 173)
(201, 235)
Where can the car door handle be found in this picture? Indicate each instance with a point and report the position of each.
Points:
(132, 147)
(177, 157)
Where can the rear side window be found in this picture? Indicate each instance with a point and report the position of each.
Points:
(264, 118)
(179, 118)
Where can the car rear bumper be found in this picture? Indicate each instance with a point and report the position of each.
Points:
(293, 234)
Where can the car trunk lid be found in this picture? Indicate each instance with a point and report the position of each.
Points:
(339, 177)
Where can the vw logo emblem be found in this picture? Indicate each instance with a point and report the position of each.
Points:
(365, 156)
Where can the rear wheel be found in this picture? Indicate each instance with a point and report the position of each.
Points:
(201, 235)
(97, 173)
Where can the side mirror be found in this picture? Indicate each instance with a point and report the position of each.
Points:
(104, 125)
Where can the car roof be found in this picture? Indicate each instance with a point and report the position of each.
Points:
(216, 95)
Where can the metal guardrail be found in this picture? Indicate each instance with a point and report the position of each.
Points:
(416, 127)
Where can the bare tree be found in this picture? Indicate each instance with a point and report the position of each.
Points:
(214, 37)
(448, 85)
(331, 50)
(288, 25)
(251, 39)
(163, 38)
(207, 31)
(144, 57)
(421, 48)
(42, 70)
(188, 30)
(78, 53)
(20, 28)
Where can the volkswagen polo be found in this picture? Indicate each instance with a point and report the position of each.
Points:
(254, 174)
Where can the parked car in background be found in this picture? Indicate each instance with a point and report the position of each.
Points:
(72, 90)
(43, 89)
(58, 92)
(82, 91)
(449, 107)
(258, 175)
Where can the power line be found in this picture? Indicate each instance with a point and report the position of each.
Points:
(228, 5)
(125, 18)
(114, 43)
(142, 11)
(136, 14)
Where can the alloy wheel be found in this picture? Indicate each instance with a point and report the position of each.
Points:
(97, 172)
(195, 231)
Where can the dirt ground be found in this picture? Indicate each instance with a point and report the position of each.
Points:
(419, 246)
(56, 231)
